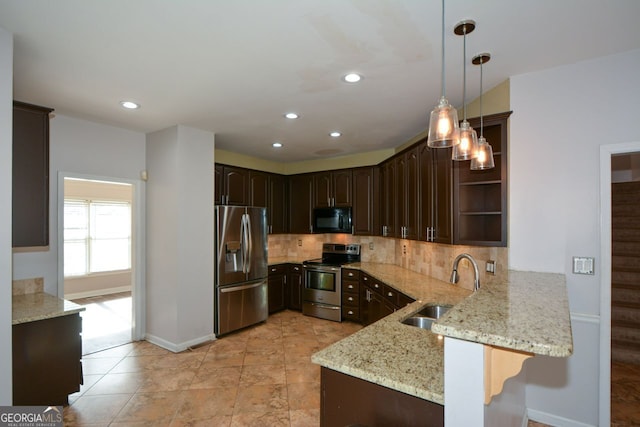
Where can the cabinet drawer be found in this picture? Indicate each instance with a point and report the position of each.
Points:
(350, 286)
(351, 313)
(278, 269)
(349, 299)
(350, 274)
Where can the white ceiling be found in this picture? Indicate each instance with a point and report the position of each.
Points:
(234, 67)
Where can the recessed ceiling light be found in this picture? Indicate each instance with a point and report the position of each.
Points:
(335, 134)
(352, 78)
(291, 116)
(129, 105)
(277, 144)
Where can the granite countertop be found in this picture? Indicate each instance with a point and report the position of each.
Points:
(410, 359)
(40, 306)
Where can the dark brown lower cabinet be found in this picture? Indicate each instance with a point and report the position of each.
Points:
(46, 361)
(277, 283)
(294, 287)
(350, 401)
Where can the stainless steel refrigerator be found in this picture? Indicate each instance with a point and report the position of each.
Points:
(241, 267)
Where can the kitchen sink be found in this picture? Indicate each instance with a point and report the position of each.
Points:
(425, 317)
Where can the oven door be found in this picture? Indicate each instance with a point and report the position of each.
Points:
(322, 284)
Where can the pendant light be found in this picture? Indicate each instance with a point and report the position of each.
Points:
(443, 123)
(484, 157)
(468, 139)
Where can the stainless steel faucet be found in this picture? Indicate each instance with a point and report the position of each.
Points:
(454, 273)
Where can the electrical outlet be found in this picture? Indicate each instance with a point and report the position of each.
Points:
(491, 267)
(404, 249)
(370, 246)
(583, 265)
(299, 242)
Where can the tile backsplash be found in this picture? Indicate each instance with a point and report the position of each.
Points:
(432, 259)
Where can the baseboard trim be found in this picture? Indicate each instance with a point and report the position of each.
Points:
(554, 420)
(97, 292)
(180, 347)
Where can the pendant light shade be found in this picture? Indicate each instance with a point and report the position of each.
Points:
(484, 155)
(443, 123)
(467, 138)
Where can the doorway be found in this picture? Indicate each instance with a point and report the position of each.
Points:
(618, 162)
(99, 264)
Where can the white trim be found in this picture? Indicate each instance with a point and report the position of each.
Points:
(606, 151)
(586, 318)
(554, 420)
(138, 278)
(177, 348)
(97, 292)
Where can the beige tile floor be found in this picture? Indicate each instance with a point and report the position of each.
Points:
(261, 376)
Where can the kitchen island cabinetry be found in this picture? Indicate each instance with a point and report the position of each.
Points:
(346, 401)
(30, 183)
(332, 188)
(378, 299)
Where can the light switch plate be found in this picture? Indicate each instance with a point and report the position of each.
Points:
(583, 265)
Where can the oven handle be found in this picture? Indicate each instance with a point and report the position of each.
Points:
(325, 306)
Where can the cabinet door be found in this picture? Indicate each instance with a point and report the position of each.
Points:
(294, 287)
(436, 213)
(411, 199)
(341, 188)
(30, 194)
(277, 207)
(300, 206)
(322, 190)
(277, 284)
(217, 184)
(258, 189)
(236, 186)
(366, 189)
(388, 207)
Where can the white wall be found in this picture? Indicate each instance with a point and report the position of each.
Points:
(81, 147)
(560, 118)
(180, 237)
(6, 125)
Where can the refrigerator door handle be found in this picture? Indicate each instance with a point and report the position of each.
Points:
(240, 288)
(243, 240)
(249, 243)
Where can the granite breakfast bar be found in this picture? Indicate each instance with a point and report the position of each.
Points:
(527, 315)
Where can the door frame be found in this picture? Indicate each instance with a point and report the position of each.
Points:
(606, 151)
(138, 239)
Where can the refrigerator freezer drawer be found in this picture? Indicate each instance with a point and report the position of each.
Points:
(240, 305)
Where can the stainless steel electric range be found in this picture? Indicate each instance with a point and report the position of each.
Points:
(322, 292)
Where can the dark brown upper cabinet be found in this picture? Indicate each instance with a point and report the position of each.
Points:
(258, 188)
(300, 203)
(388, 202)
(30, 194)
(232, 185)
(332, 188)
(407, 197)
(366, 200)
(436, 189)
(277, 208)
(480, 197)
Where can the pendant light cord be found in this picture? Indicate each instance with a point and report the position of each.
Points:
(442, 71)
(464, 73)
(481, 119)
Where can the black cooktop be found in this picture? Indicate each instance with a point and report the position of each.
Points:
(336, 254)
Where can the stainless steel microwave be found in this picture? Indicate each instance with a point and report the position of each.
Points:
(332, 220)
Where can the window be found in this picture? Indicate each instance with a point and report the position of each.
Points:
(97, 236)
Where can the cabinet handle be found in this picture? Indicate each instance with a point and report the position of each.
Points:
(365, 278)
(350, 298)
(296, 268)
(390, 294)
(273, 269)
(350, 312)
(376, 285)
(350, 274)
(350, 286)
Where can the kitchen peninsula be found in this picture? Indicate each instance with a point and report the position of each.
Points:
(525, 316)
